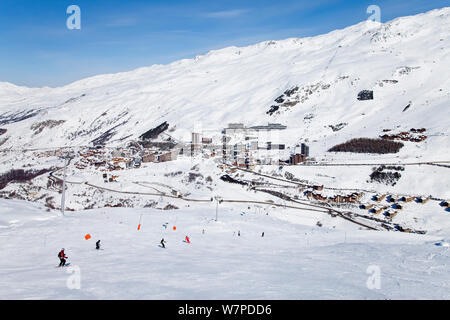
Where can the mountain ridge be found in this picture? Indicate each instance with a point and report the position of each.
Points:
(444, 10)
(241, 84)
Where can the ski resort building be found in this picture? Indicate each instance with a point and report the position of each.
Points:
(247, 146)
(297, 158)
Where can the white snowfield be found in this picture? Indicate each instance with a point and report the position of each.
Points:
(291, 261)
(404, 61)
(303, 254)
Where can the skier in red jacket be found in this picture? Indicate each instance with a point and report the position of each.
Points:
(62, 258)
(187, 239)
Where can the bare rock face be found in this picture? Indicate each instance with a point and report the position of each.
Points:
(155, 132)
(365, 95)
(170, 207)
(338, 126)
(40, 126)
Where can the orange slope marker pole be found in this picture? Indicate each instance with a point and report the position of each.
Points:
(140, 221)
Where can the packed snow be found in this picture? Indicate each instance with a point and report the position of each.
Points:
(308, 84)
(292, 260)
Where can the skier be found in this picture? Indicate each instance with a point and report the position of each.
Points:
(239, 233)
(162, 243)
(97, 245)
(187, 239)
(62, 258)
(262, 235)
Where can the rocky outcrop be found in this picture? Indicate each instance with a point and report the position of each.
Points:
(155, 132)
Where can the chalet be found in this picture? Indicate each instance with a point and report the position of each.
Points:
(377, 210)
(319, 197)
(391, 199)
(367, 206)
(422, 200)
(397, 206)
(378, 198)
(351, 198)
(99, 164)
(315, 196)
(412, 135)
(390, 215)
(175, 193)
(406, 199)
(357, 195)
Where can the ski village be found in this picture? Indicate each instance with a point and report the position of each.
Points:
(305, 168)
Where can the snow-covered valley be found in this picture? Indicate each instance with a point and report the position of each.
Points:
(327, 222)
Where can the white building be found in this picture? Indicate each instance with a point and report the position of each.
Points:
(247, 146)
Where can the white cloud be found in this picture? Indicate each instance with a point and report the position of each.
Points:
(122, 22)
(226, 13)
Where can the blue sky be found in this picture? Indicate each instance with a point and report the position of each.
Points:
(37, 49)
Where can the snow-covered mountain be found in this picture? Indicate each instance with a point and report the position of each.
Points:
(404, 61)
(263, 220)
(310, 85)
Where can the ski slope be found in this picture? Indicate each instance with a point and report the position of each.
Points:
(403, 61)
(292, 260)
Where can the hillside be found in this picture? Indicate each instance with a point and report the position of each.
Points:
(374, 190)
(401, 61)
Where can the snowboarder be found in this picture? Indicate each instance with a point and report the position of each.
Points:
(97, 245)
(62, 258)
(163, 242)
